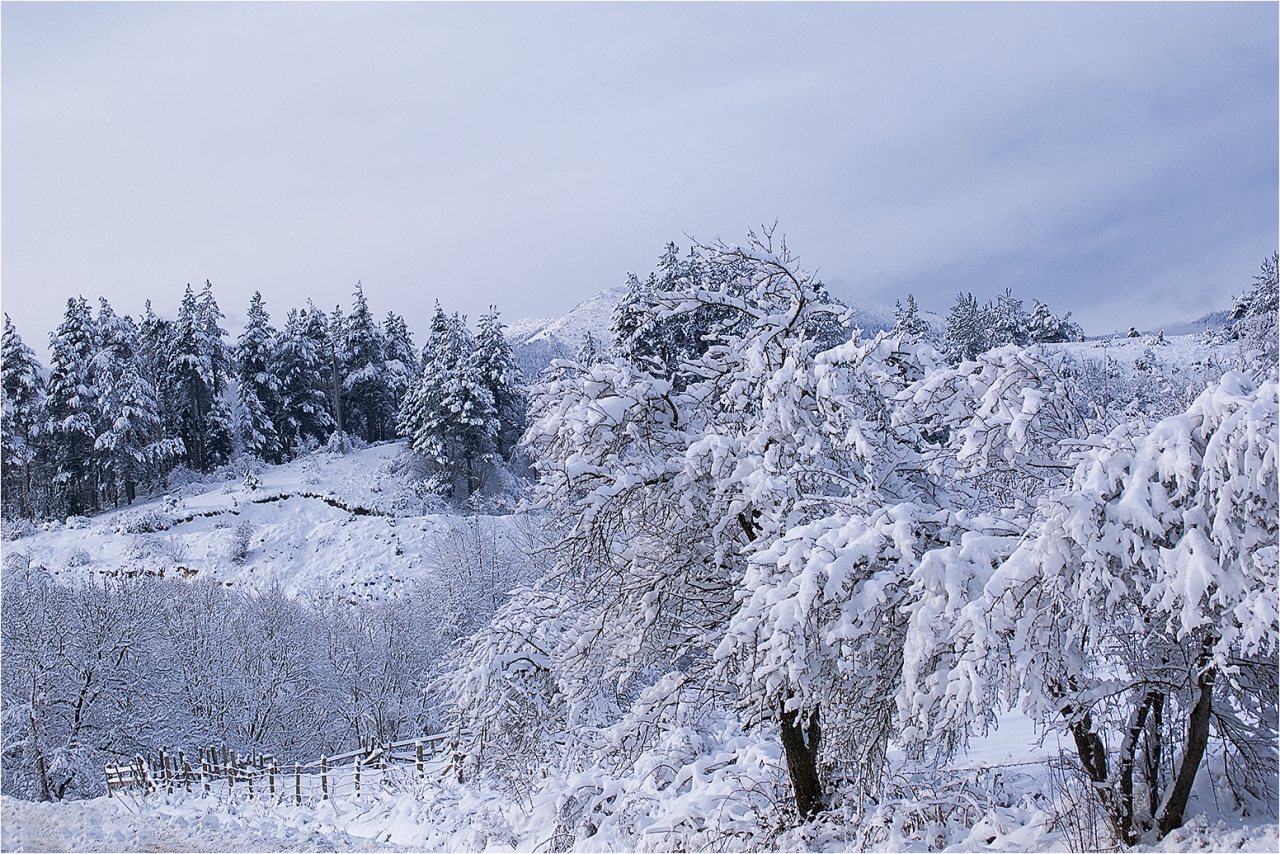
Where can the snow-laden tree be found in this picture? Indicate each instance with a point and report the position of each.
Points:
(1255, 320)
(1138, 614)
(908, 325)
(965, 334)
(259, 408)
(590, 352)
(996, 431)
(663, 490)
(304, 369)
(403, 365)
(449, 416)
(199, 371)
(22, 387)
(1005, 320)
(71, 409)
(84, 672)
(1046, 328)
(496, 364)
(130, 445)
(368, 408)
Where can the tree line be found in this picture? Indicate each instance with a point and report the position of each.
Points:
(124, 403)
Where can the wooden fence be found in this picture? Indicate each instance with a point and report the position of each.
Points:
(258, 775)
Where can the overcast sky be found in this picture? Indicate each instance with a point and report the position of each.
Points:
(1119, 160)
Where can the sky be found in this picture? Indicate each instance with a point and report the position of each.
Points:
(1118, 160)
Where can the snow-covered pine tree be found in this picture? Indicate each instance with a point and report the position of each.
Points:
(449, 416)
(200, 362)
(305, 390)
(908, 325)
(589, 353)
(1255, 321)
(367, 409)
(71, 410)
(965, 335)
(403, 364)
(130, 444)
(1046, 328)
(1005, 321)
(259, 388)
(496, 364)
(156, 363)
(22, 413)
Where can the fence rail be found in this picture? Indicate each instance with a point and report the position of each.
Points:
(258, 775)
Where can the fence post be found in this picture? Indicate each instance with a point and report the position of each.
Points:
(418, 749)
(248, 773)
(297, 783)
(230, 769)
(324, 777)
(272, 776)
(186, 770)
(356, 762)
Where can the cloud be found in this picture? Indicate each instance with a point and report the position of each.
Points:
(1115, 159)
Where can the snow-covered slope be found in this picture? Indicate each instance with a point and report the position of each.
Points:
(352, 524)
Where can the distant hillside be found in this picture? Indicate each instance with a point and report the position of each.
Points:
(1212, 320)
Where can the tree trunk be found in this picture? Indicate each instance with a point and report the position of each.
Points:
(1155, 732)
(800, 743)
(1128, 753)
(1170, 817)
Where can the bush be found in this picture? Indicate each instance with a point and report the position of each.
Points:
(146, 520)
(238, 546)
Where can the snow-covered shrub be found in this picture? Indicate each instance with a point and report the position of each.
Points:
(238, 543)
(15, 528)
(78, 523)
(144, 520)
(182, 476)
(77, 557)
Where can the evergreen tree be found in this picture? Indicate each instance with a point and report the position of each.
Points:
(403, 365)
(1005, 321)
(496, 364)
(1046, 328)
(21, 410)
(156, 363)
(1255, 320)
(130, 444)
(259, 391)
(367, 397)
(450, 416)
(965, 336)
(302, 362)
(589, 352)
(72, 409)
(908, 326)
(199, 366)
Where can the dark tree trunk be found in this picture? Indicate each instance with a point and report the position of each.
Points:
(1155, 733)
(1092, 752)
(1170, 817)
(800, 743)
(1128, 753)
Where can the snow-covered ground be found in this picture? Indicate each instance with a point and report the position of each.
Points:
(350, 524)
